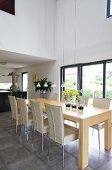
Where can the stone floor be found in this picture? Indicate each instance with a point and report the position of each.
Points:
(17, 154)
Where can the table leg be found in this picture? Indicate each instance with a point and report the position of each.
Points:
(83, 144)
(107, 134)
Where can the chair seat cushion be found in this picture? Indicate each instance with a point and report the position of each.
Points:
(70, 134)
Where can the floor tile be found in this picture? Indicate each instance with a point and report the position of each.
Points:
(30, 164)
(1, 164)
(7, 142)
(107, 165)
(4, 133)
(16, 154)
(11, 154)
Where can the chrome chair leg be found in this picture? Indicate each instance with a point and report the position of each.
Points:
(26, 132)
(48, 148)
(22, 129)
(27, 136)
(42, 141)
(99, 138)
(16, 128)
(33, 134)
(63, 155)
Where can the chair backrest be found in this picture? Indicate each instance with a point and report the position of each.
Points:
(54, 96)
(84, 100)
(36, 108)
(102, 103)
(23, 110)
(13, 104)
(55, 123)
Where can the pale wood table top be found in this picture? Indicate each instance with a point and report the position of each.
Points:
(86, 118)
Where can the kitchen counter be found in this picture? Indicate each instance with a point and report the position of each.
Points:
(4, 101)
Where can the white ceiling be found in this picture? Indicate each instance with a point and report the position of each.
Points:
(16, 60)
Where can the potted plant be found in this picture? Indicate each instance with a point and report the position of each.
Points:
(70, 94)
(43, 85)
(70, 97)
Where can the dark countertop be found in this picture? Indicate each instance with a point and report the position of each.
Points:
(4, 101)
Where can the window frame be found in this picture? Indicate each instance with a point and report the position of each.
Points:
(108, 9)
(79, 72)
(62, 76)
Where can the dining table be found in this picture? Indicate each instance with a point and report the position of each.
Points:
(86, 118)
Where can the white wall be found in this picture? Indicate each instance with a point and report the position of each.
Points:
(32, 30)
(5, 71)
(49, 70)
(93, 31)
(93, 38)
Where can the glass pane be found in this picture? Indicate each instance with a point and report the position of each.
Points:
(92, 80)
(25, 81)
(109, 80)
(70, 78)
(110, 7)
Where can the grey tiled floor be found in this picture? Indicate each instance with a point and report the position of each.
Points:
(17, 154)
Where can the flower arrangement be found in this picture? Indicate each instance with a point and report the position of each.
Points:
(70, 94)
(43, 85)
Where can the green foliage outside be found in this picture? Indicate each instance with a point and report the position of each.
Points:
(89, 93)
(109, 94)
(69, 82)
(98, 83)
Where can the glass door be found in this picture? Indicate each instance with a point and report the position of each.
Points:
(92, 80)
(71, 78)
(24, 81)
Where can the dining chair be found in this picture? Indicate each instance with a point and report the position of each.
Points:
(84, 100)
(26, 116)
(14, 111)
(57, 131)
(55, 96)
(39, 123)
(100, 103)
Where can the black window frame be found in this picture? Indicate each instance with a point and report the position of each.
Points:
(108, 8)
(62, 76)
(80, 68)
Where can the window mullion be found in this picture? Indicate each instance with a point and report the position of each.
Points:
(104, 79)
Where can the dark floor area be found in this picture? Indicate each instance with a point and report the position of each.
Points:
(18, 154)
